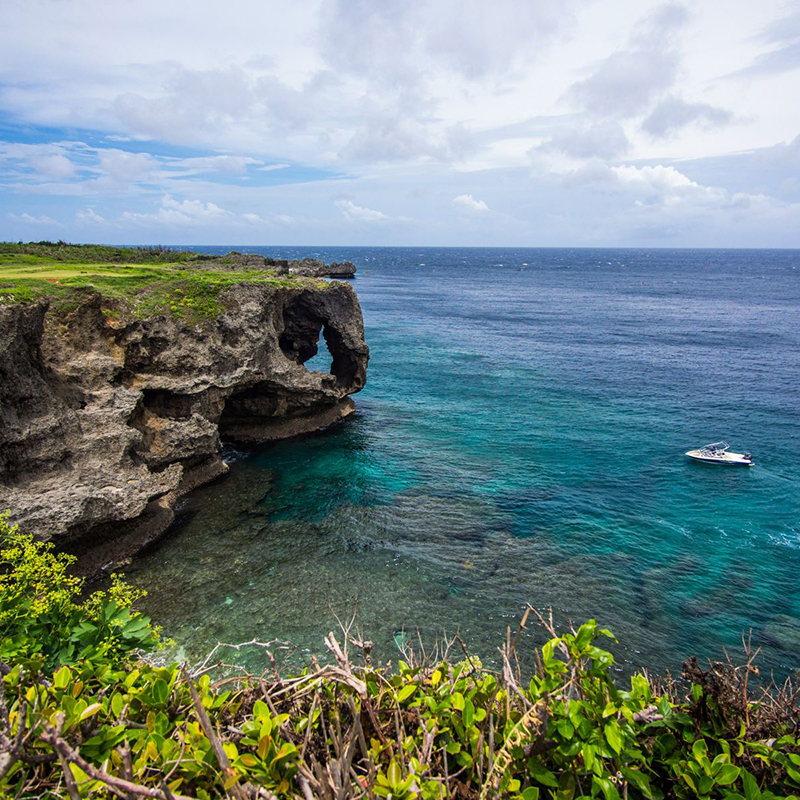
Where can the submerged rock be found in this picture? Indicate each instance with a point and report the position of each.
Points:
(106, 421)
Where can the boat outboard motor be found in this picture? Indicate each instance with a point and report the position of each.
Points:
(748, 456)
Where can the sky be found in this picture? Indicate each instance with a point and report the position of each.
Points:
(401, 122)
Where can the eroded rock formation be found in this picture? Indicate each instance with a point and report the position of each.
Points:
(106, 421)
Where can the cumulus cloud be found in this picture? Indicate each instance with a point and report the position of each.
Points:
(89, 216)
(386, 137)
(174, 212)
(48, 161)
(354, 213)
(398, 38)
(393, 101)
(29, 219)
(663, 187)
(466, 202)
(627, 81)
(56, 165)
(604, 139)
(673, 114)
(124, 166)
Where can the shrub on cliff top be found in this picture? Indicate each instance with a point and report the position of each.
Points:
(433, 729)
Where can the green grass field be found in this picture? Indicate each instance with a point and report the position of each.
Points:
(170, 283)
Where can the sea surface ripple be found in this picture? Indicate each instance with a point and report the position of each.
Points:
(521, 439)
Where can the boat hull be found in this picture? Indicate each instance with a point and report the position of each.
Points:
(725, 460)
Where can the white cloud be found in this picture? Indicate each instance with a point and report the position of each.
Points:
(469, 203)
(658, 178)
(785, 33)
(392, 102)
(604, 139)
(673, 114)
(226, 163)
(625, 82)
(354, 213)
(29, 219)
(124, 166)
(89, 216)
(179, 213)
(55, 166)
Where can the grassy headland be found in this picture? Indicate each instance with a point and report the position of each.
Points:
(144, 281)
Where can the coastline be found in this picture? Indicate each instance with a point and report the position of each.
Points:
(114, 409)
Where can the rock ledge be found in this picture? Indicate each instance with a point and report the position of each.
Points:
(106, 421)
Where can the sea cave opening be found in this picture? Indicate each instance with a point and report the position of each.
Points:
(300, 339)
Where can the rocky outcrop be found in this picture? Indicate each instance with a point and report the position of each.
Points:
(307, 268)
(105, 420)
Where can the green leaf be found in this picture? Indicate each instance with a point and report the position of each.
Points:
(394, 774)
(90, 711)
(727, 774)
(468, 714)
(613, 736)
(531, 793)
(565, 728)
(585, 633)
(792, 773)
(639, 780)
(606, 787)
(750, 785)
(62, 678)
(566, 786)
(588, 756)
(700, 749)
(542, 775)
(406, 692)
(117, 704)
(160, 691)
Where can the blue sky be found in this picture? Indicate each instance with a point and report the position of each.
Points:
(404, 122)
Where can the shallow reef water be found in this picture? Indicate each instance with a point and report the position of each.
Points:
(521, 439)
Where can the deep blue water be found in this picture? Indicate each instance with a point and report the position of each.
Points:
(521, 439)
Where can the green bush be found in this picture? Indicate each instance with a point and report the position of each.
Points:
(100, 725)
(44, 622)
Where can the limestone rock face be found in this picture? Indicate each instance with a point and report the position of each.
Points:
(105, 422)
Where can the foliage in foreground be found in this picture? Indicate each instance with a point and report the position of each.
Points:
(79, 719)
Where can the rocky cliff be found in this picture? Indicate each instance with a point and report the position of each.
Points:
(105, 420)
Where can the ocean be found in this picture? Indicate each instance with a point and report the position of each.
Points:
(521, 440)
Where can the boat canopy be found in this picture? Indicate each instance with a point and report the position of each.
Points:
(720, 447)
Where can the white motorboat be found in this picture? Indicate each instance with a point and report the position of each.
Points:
(718, 453)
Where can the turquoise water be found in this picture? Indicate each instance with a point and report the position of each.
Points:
(520, 440)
